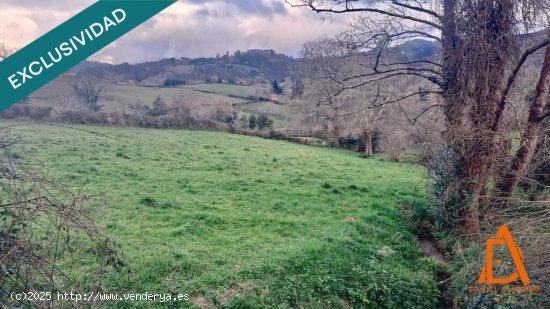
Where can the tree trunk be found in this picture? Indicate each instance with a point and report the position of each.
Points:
(530, 136)
(470, 104)
(332, 133)
(367, 140)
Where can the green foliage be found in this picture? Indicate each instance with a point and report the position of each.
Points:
(252, 123)
(353, 271)
(149, 201)
(445, 203)
(264, 122)
(174, 82)
(276, 88)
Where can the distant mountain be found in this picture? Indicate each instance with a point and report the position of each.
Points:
(247, 67)
(87, 65)
(415, 50)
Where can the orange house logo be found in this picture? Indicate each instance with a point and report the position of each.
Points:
(503, 237)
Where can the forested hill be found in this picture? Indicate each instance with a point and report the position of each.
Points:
(242, 67)
(246, 67)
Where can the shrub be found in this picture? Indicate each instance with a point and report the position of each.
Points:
(252, 122)
(276, 88)
(24, 110)
(173, 82)
(149, 201)
(160, 108)
(264, 122)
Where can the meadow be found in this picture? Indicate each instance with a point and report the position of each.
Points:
(244, 222)
(121, 98)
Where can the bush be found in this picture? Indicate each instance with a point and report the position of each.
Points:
(174, 82)
(276, 88)
(252, 122)
(149, 201)
(160, 108)
(25, 110)
(264, 122)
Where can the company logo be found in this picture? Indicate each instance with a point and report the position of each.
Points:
(509, 288)
(503, 237)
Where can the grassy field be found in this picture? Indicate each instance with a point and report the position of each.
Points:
(279, 113)
(118, 98)
(243, 222)
(128, 94)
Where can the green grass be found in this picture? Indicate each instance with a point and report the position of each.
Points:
(243, 222)
(279, 113)
(116, 98)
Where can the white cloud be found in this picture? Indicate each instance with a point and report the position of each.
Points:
(191, 28)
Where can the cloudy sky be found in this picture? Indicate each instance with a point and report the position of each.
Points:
(188, 28)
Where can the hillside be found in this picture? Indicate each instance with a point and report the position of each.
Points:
(249, 67)
(244, 222)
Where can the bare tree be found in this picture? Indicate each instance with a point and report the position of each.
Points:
(88, 92)
(322, 60)
(531, 132)
(364, 113)
(481, 55)
(182, 102)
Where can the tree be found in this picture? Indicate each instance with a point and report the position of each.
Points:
(276, 88)
(88, 93)
(160, 108)
(181, 105)
(243, 122)
(320, 60)
(297, 88)
(474, 76)
(531, 132)
(252, 122)
(264, 122)
(366, 111)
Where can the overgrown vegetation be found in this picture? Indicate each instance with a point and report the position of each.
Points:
(42, 222)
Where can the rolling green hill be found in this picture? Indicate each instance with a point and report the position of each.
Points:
(243, 222)
(121, 98)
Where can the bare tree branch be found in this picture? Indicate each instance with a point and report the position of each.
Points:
(418, 9)
(387, 102)
(415, 119)
(513, 76)
(349, 9)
